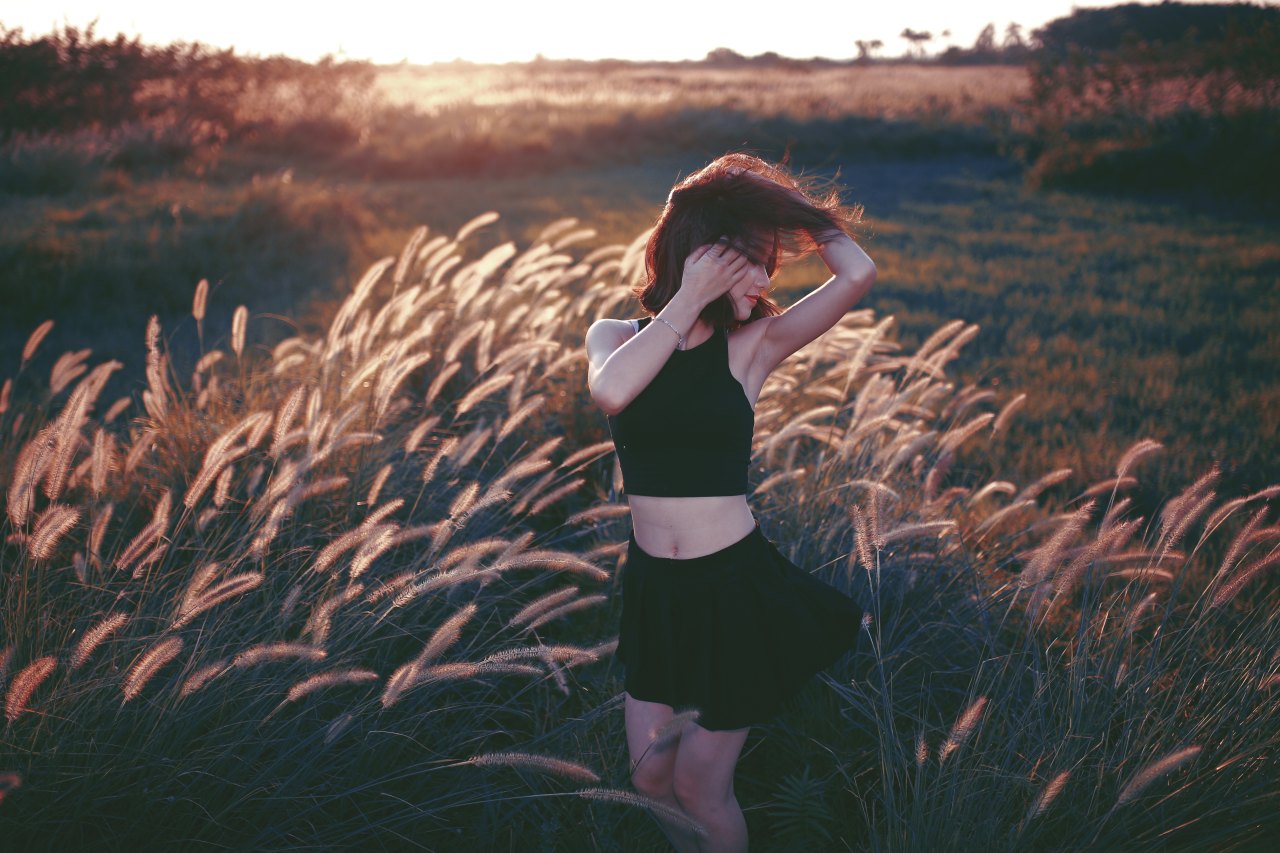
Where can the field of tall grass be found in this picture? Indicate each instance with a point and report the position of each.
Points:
(359, 589)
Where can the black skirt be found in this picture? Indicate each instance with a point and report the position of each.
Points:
(733, 634)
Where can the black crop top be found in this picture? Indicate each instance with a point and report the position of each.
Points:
(688, 433)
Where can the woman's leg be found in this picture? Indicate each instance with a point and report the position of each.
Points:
(703, 783)
(653, 764)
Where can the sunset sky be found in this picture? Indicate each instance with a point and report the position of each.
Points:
(500, 31)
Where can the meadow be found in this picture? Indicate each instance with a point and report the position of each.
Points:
(312, 537)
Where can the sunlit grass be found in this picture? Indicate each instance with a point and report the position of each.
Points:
(341, 593)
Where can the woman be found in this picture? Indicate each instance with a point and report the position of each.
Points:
(714, 618)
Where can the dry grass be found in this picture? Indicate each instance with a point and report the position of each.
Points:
(360, 558)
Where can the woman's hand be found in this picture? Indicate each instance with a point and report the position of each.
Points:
(711, 271)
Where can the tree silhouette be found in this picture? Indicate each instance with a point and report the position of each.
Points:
(866, 48)
(916, 39)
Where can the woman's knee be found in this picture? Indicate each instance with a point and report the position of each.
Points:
(653, 779)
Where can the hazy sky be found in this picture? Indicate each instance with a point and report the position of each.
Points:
(500, 30)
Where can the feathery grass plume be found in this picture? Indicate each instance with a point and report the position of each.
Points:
(1135, 614)
(116, 408)
(458, 671)
(330, 553)
(1049, 480)
(463, 500)
(50, 526)
(95, 636)
(419, 432)
(222, 488)
(1134, 453)
(556, 495)
(559, 560)
(104, 460)
(437, 384)
(379, 480)
(781, 477)
(1047, 795)
(1231, 588)
(992, 522)
(446, 635)
(407, 255)
(221, 454)
(67, 436)
(1154, 771)
(277, 651)
(536, 762)
(321, 619)
(223, 591)
(405, 677)
(669, 814)
(1006, 414)
(285, 416)
(604, 512)
(586, 455)
(922, 750)
(1094, 552)
(153, 531)
(527, 409)
(1003, 487)
(200, 581)
(562, 610)
(1180, 512)
(475, 224)
(381, 539)
(148, 665)
(917, 530)
(862, 537)
(98, 531)
(239, 320)
(198, 302)
(1240, 542)
(34, 341)
(156, 398)
(1103, 487)
(951, 440)
(32, 461)
(321, 680)
(25, 683)
(963, 729)
(201, 677)
(68, 366)
(5, 391)
(1047, 557)
(541, 605)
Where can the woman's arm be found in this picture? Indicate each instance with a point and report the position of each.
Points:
(621, 364)
(852, 274)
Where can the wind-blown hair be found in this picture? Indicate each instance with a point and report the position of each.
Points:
(759, 208)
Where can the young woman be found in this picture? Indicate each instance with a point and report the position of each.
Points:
(714, 617)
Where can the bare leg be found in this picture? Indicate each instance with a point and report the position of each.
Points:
(705, 762)
(653, 765)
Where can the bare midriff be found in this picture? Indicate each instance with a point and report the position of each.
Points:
(684, 528)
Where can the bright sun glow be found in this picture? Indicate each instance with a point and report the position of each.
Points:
(502, 31)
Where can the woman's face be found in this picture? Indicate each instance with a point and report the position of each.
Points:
(763, 257)
(743, 294)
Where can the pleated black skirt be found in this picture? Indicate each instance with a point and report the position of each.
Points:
(733, 634)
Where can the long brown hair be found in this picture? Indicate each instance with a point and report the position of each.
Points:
(758, 207)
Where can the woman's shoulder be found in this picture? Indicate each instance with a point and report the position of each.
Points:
(610, 333)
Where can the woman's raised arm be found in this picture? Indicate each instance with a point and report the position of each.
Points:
(621, 365)
(852, 274)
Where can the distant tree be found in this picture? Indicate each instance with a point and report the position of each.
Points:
(916, 39)
(1013, 39)
(724, 56)
(986, 41)
(867, 48)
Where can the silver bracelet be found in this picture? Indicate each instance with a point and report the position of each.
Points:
(679, 337)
